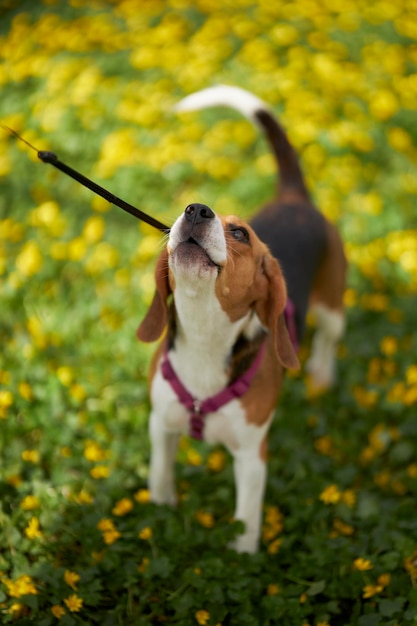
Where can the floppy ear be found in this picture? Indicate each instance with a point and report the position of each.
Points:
(271, 313)
(152, 326)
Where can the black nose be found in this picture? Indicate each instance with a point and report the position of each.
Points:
(196, 213)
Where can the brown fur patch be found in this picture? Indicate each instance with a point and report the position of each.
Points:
(262, 396)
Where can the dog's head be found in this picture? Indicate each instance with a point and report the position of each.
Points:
(222, 255)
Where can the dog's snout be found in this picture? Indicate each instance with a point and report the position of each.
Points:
(197, 213)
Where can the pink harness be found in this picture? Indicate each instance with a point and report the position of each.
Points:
(198, 409)
(289, 314)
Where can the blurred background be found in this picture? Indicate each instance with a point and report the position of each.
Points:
(95, 81)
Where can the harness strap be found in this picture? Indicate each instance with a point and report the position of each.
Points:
(289, 314)
(198, 409)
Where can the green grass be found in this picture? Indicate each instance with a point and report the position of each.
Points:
(79, 541)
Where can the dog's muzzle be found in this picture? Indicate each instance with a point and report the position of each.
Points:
(197, 237)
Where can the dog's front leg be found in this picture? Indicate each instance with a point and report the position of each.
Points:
(161, 474)
(250, 478)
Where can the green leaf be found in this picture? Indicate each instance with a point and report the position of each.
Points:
(368, 506)
(411, 612)
(316, 588)
(161, 566)
(372, 619)
(388, 608)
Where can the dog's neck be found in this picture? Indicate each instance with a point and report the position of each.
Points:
(203, 338)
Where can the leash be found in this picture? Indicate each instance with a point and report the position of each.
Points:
(52, 159)
(198, 409)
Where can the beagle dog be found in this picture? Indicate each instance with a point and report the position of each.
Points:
(232, 298)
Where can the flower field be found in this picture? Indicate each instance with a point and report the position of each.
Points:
(95, 82)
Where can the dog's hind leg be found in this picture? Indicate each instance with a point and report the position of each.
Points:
(327, 304)
(330, 328)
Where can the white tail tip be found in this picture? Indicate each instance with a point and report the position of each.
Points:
(222, 95)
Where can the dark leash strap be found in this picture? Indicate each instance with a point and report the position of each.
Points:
(52, 159)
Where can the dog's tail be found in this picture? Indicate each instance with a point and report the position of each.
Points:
(290, 173)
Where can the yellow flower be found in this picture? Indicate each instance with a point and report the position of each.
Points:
(399, 139)
(71, 578)
(384, 579)
(15, 480)
(17, 609)
(74, 603)
(379, 438)
(122, 507)
(142, 496)
(6, 398)
(65, 375)
(25, 390)
(105, 524)
(94, 229)
(194, 457)
(411, 375)
(58, 611)
(77, 249)
(274, 546)
(100, 471)
(273, 589)
(412, 470)
(32, 530)
(30, 260)
(349, 497)
(145, 533)
(110, 532)
(48, 216)
(29, 503)
(273, 523)
(216, 461)
(83, 497)
(78, 392)
(202, 617)
(410, 564)
(341, 528)
(389, 346)
(365, 397)
(324, 445)
(22, 586)
(110, 536)
(100, 204)
(384, 104)
(143, 566)
(362, 565)
(371, 590)
(94, 452)
(206, 519)
(31, 456)
(103, 256)
(330, 495)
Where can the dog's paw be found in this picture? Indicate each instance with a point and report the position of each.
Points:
(320, 375)
(244, 543)
(164, 498)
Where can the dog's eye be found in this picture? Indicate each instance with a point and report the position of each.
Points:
(240, 234)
